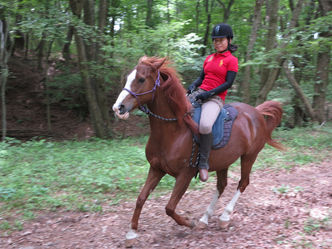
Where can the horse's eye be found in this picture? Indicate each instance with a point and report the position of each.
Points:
(141, 80)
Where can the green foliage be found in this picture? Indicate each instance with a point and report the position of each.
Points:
(66, 89)
(164, 40)
(44, 18)
(93, 175)
(72, 175)
(176, 30)
(304, 145)
(313, 225)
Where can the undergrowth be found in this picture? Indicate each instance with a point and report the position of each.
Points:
(95, 174)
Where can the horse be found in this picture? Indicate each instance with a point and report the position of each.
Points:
(156, 84)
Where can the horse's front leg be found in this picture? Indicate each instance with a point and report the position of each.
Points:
(181, 185)
(221, 184)
(151, 182)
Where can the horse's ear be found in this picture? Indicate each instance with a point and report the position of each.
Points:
(143, 58)
(159, 63)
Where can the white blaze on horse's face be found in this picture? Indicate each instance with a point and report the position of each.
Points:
(123, 95)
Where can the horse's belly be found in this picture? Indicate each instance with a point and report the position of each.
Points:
(222, 159)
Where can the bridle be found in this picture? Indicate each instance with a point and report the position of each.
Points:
(145, 109)
(136, 95)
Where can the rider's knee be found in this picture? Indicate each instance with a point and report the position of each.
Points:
(205, 129)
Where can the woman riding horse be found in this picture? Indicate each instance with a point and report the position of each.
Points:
(218, 74)
(154, 84)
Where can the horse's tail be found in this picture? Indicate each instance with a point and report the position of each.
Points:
(272, 111)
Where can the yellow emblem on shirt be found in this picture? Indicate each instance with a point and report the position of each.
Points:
(221, 63)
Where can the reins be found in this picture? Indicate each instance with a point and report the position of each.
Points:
(146, 110)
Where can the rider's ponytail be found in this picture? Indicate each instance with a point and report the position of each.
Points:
(232, 48)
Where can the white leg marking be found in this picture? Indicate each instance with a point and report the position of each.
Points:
(123, 94)
(230, 207)
(131, 234)
(210, 210)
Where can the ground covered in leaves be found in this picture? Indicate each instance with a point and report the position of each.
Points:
(279, 209)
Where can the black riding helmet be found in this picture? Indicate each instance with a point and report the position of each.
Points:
(222, 30)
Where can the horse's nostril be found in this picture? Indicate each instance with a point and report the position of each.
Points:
(122, 109)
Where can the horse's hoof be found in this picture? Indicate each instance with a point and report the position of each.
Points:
(200, 225)
(130, 238)
(192, 224)
(130, 242)
(223, 224)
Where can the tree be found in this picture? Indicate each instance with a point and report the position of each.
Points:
(6, 47)
(323, 63)
(89, 55)
(245, 83)
(299, 91)
(148, 20)
(270, 43)
(279, 59)
(208, 9)
(227, 9)
(110, 35)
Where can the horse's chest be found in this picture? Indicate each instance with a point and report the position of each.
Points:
(167, 159)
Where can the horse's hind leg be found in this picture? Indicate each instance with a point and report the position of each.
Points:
(246, 165)
(181, 185)
(221, 184)
(151, 182)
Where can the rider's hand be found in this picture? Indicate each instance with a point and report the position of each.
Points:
(203, 96)
(191, 88)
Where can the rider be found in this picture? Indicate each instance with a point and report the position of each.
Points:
(218, 74)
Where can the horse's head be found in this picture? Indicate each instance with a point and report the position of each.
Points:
(140, 86)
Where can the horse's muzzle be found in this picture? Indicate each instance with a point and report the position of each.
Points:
(121, 112)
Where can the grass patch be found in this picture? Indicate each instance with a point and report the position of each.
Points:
(91, 175)
(304, 145)
(71, 175)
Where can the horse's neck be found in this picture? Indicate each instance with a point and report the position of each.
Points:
(159, 127)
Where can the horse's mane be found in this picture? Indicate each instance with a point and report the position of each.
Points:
(173, 90)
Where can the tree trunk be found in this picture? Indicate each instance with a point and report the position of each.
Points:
(245, 84)
(148, 20)
(168, 13)
(89, 19)
(5, 52)
(273, 75)
(322, 68)
(113, 14)
(227, 9)
(207, 26)
(93, 87)
(101, 88)
(41, 52)
(66, 46)
(197, 16)
(298, 91)
(270, 42)
(326, 6)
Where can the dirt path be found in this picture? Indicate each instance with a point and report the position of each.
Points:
(285, 209)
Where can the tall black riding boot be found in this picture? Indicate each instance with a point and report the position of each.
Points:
(204, 149)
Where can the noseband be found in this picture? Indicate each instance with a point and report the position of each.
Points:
(136, 95)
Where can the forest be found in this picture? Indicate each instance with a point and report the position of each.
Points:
(83, 49)
(70, 172)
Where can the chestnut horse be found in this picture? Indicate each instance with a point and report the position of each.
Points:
(169, 149)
